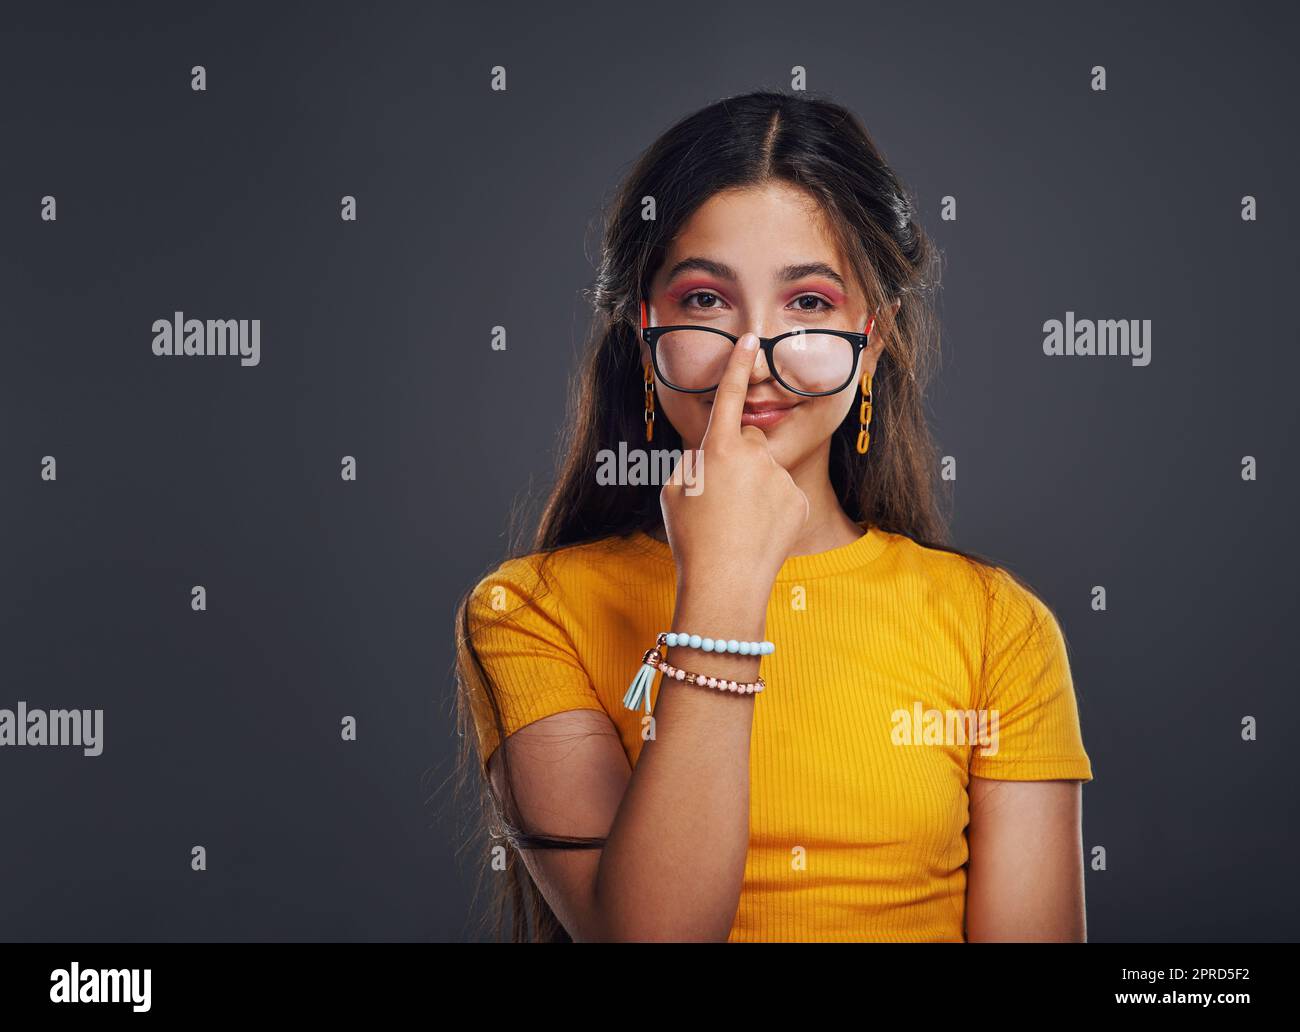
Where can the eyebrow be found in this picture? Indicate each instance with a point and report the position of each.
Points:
(787, 275)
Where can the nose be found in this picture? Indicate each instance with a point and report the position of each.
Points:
(760, 372)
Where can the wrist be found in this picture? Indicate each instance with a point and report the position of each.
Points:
(716, 612)
(749, 590)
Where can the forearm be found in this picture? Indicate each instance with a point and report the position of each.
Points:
(674, 860)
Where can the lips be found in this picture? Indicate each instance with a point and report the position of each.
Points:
(766, 414)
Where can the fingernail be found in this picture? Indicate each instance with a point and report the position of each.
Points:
(749, 341)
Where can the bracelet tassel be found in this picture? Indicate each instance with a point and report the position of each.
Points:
(639, 690)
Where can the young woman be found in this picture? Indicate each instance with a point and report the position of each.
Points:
(910, 765)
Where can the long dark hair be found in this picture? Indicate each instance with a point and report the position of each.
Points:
(742, 141)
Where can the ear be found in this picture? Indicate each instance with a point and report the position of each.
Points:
(642, 313)
(873, 350)
(877, 345)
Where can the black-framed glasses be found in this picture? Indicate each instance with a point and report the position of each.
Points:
(808, 362)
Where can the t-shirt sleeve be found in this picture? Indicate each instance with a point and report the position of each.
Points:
(1028, 692)
(519, 638)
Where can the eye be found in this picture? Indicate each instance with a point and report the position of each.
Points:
(700, 293)
(812, 297)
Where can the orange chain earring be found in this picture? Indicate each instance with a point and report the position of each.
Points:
(649, 403)
(864, 409)
(864, 415)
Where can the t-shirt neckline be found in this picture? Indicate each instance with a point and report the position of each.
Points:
(796, 567)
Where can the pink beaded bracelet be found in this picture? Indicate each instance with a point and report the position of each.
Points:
(639, 690)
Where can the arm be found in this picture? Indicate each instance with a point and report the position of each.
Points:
(677, 827)
(1025, 875)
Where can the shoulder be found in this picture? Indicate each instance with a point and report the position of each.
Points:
(1025, 649)
(1017, 611)
(971, 582)
(544, 579)
(988, 592)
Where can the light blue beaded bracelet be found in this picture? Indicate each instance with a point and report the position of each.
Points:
(638, 692)
(674, 639)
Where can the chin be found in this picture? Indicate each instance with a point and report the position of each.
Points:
(786, 452)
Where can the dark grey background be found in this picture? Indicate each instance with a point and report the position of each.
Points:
(479, 208)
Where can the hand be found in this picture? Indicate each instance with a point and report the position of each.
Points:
(739, 528)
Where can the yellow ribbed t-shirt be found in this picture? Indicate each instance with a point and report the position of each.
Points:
(898, 673)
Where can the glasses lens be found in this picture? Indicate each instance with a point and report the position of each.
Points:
(693, 359)
(815, 362)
